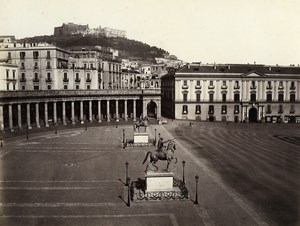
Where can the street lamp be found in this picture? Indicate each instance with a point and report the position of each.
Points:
(86, 125)
(183, 165)
(155, 137)
(27, 135)
(126, 164)
(55, 128)
(123, 140)
(197, 180)
(128, 181)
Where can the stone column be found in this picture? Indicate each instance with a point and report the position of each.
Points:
(64, 112)
(19, 117)
(28, 116)
(134, 110)
(107, 110)
(37, 115)
(81, 112)
(73, 112)
(90, 111)
(1, 118)
(10, 118)
(125, 110)
(144, 108)
(99, 111)
(117, 110)
(54, 113)
(46, 114)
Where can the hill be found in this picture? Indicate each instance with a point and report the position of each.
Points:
(128, 48)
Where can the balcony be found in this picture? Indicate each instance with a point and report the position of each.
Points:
(22, 67)
(224, 87)
(253, 87)
(211, 87)
(48, 80)
(65, 79)
(48, 67)
(35, 67)
(36, 80)
(77, 79)
(185, 86)
(48, 57)
(88, 80)
(280, 87)
(22, 79)
(197, 86)
(269, 87)
(292, 87)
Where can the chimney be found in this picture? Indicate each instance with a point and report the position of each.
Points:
(270, 68)
(228, 66)
(215, 67)
(188, 66)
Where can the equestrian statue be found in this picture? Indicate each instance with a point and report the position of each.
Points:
(164, 153)
(142, 122)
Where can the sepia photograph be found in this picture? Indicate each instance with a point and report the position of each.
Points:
(150, 113)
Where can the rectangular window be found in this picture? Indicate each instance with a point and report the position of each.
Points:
(22, 65)
(211, 83)
(253, 97)
(49, 87)
(184, 109)
(36, 65)
(22, 55)
(236, 85)
(280, 83)
(14, 86)
(36, 87)
(48, 65)
(9, 56)
(269, 97)
(280, 97)
(211, 97)
(211, 109)
(224, 83)
(65, 86)
(269, 86)
(224, 97)
(224, 109)
(253, 85)
(280, 109)
(77, 86)
(292, 85)
(269, 109)
(292, 97)
(185, 97)
(88, 87)
(92, 66)
(14, 74)
(7, 86)
(7, 74)
(292, 109)
(35, 55)
(198, 97)
(198, 109)
(198, 82)
(23, 87)
(236, 97)
(48, 54)
(236, 109)
(185, 82)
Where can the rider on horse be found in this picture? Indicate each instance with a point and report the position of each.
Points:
(160, 144)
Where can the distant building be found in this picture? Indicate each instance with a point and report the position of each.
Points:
(71, 28)
(8, 76)
(7, 39)
(232, 92)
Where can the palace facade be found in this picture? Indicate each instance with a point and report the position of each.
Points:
(42, 85)
(232, 92)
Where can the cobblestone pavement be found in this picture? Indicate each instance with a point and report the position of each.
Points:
(76, 177)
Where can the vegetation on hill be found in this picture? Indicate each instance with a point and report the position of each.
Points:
(127, 48)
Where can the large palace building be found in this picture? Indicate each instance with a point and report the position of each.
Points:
(232, 92)
(42, 85)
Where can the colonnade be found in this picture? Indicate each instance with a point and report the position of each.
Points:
(27, 108)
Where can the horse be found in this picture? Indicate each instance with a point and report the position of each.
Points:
(167, 154)
(143, 123)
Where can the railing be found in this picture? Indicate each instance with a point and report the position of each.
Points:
(224, 87)
(71, 93)
(280, 87)
(197, 86)
(253, 87)
(48, 80)
(48, 67)
(269, 87)
(77, 79)
(88, 80)
(23, 80)
(211, 87)
(66, 80)
(292, 87)
(36, 79)
(185, 86)
(236, 87)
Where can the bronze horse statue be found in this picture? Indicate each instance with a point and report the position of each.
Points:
(142, 123)
(167, 154)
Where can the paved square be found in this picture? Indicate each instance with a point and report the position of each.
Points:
(248, 175)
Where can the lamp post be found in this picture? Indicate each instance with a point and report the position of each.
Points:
(155, 137)
(55, 128)
(116, 124)
(126, 164)
(123, 140)
(196, 179)
(183, 165)
(27, 135)
(86, 125)
(128, 181)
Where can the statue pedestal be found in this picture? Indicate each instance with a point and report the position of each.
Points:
(159, 181)
(140, 138)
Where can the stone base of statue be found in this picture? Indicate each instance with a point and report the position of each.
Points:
(158, 185)
(140, 140)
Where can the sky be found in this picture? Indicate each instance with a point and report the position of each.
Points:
(207, 31)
